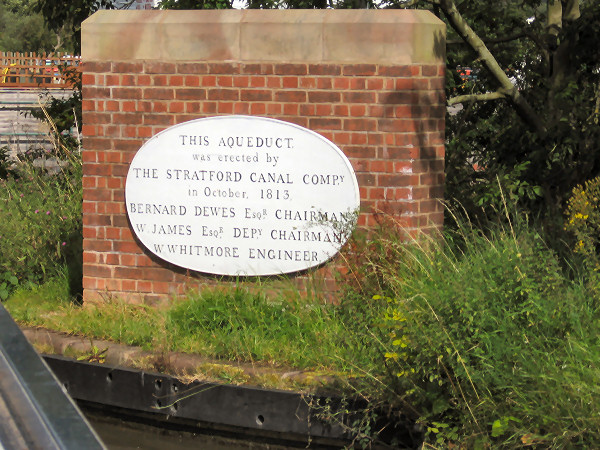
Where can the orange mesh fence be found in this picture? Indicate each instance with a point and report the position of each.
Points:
(24, 70)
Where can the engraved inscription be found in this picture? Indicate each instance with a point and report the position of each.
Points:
(241, 195)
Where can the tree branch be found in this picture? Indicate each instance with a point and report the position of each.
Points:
(522, 107)
(562, 50)
(554, 18)
(476, 97)
(501, 40)
(571, 12)
(59, 42)
(408, 3)
(596, 112)
(127, 4)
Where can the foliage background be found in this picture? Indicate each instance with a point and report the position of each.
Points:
(25, 30)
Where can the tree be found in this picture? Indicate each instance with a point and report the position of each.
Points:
(196, 4)
(530, 113)
(23, 30)
(530, 118)
(66, 17)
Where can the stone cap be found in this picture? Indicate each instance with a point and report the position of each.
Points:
(391, 37)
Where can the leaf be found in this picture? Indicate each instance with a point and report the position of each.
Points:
(528, 439)
(498, 428)
(439, 406)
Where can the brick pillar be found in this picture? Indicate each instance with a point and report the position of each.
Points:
(371, 81)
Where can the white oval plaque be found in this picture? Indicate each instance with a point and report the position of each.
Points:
(241, 195)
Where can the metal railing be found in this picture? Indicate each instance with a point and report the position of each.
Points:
(25, 70)
(35, 412)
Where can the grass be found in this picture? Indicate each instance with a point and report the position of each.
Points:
(246, 326)
(237, 325)
(49, 305)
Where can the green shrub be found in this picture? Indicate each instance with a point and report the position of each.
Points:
(489, 343)
(41, 222)
(583, 219)
(6, 163)
(583, 224)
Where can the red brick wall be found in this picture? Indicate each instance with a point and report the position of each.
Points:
(387, 118)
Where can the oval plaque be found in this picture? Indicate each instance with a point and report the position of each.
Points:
(241, 195)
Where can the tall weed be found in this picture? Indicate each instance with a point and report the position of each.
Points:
(41, 221)
(488, 342)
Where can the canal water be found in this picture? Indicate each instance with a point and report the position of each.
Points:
(117, 434)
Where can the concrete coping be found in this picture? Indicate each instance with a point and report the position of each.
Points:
(391, 37)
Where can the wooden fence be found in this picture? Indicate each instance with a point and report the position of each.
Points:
(49, 71)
